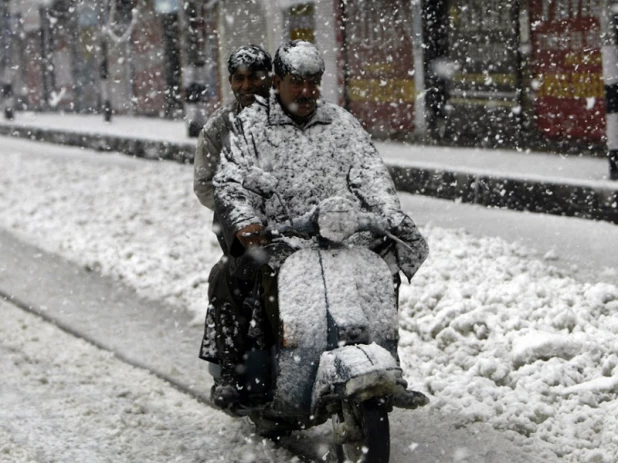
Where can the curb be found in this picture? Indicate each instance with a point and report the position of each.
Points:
(141, 148)
(520, 194)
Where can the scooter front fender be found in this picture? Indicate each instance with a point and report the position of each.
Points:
(358, 371)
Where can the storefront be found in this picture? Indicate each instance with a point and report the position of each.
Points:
(147, 64)
(87, 68)
(29, 80)
(568, 89)
(482, 71)
(378, 65)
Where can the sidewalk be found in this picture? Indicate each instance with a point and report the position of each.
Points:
(537, 182)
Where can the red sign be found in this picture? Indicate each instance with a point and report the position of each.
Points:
(380, 67)
(567, 69)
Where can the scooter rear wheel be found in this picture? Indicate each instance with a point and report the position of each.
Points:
(368, 432)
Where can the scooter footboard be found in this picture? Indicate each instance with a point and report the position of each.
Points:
(356, 371)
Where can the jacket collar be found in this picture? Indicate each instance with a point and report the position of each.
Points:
(277, 116)
(235, 107)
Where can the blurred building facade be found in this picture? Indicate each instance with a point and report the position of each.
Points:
(490, 73)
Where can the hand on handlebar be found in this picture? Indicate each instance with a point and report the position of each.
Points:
(252, 236)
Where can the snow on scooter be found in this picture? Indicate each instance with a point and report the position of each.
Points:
(335, 350)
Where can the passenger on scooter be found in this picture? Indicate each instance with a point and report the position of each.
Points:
(315, 150)
(250, 68)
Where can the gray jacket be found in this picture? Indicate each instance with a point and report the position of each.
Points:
(213, 137)
(332, 155)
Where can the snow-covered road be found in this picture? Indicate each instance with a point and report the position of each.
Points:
(493, 330)
(64, 400)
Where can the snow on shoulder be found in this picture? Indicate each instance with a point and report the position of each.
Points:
(299, 57)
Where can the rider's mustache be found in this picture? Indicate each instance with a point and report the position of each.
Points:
(304, 100)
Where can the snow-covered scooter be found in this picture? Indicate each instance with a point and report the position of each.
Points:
(335, 354)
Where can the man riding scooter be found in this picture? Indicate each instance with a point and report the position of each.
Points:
(314, 150)
(249, 69)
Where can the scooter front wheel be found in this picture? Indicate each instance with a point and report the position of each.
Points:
(362, 433)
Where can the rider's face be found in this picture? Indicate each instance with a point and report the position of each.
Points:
(299, 95)
(246, 84)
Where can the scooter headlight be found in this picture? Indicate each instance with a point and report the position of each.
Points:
(337, 219)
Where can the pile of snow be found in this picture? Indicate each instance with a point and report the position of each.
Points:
(491, 333)
(495, 336)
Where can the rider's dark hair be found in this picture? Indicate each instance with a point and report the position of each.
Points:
(253, 57)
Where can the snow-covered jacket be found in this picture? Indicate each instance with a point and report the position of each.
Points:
(331, 155)
(213, 137)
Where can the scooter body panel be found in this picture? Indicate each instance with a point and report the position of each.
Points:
(361, 297)
(329, 298)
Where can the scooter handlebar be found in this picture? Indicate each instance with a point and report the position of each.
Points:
(309, 225)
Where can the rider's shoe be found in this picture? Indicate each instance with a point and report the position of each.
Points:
(224, 396)
(410, 400)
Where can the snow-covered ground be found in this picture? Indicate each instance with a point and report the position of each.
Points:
(75, 403)
(493, 331)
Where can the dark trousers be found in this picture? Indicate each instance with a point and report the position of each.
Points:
(228, 317)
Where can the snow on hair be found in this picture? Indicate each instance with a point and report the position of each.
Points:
(298, 57)
(252, 57)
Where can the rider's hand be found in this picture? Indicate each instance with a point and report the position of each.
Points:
(251, 235)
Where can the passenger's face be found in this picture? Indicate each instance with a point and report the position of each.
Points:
(299, 95)
(246, 84)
